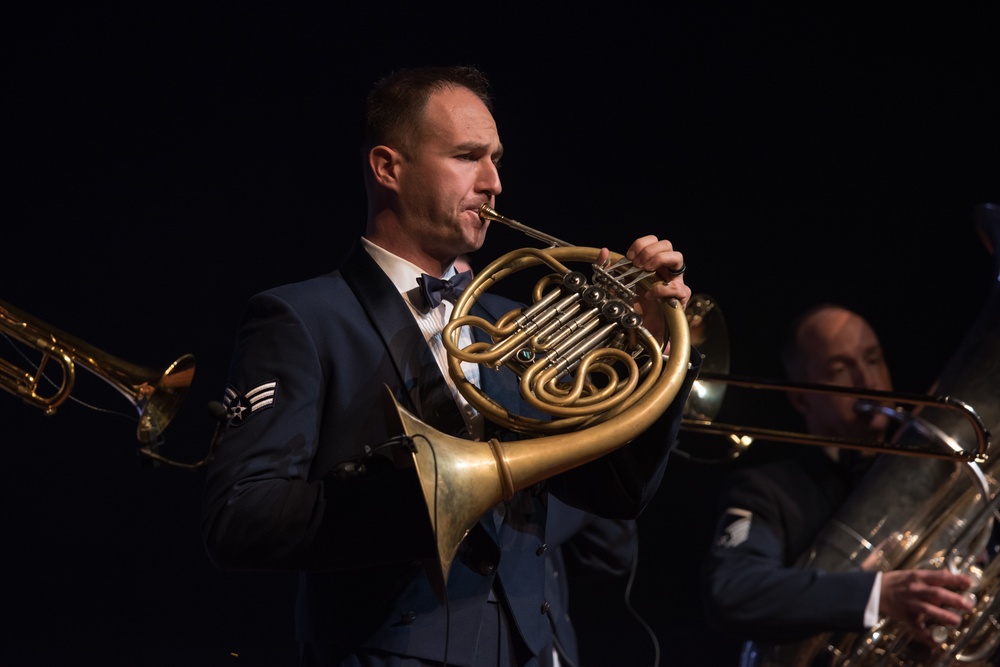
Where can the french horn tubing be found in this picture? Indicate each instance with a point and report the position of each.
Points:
(574, 331)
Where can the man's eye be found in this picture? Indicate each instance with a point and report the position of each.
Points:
(834, 372)
(497, 164)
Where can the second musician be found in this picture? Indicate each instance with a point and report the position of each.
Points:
(771, 514)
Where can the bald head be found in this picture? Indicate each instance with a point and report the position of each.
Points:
(830, 344)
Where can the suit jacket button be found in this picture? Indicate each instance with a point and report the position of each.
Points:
(541, 549)
(545, 607)
(408, 617)
(486, 567)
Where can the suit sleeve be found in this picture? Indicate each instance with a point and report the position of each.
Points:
(604, 547)
(752, 589)
(267, 502)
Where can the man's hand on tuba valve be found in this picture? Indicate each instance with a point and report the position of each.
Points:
(921, 599)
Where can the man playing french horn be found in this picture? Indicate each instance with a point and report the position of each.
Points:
(308, 473)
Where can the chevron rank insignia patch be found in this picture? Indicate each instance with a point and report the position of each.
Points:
(736, 527)
(241, 407)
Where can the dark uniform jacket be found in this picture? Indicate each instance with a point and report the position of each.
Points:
(586, 553)
(307, 380)
(769, 516)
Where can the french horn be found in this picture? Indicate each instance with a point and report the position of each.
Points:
(575, 331)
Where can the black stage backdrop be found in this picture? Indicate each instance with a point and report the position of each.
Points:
(162, 164)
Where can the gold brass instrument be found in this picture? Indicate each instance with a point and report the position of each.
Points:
(936, 445)
(574, 331)
(710, 336)
(156, 395)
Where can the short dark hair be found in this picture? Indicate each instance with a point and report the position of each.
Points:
(395, 104)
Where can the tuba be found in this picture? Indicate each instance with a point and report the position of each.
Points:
(156, 395)
(582, 355)
(910, 513)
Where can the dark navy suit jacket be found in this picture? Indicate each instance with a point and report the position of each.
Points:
(279, 496)
(601, 549)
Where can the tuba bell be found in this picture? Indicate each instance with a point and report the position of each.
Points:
(910, 513)
(156, 395)
(574, 331)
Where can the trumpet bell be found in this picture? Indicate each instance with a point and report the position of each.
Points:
(158, 402)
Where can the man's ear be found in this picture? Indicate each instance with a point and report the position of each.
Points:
(384, 164)
(798, 400)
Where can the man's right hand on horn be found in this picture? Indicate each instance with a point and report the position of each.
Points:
(650, 253)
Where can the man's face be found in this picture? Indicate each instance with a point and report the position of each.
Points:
(450, 170)
(840, 348)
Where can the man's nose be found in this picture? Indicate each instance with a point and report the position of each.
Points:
(489, 179)
(869, 377)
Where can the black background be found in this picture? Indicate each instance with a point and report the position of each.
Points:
(163, 164)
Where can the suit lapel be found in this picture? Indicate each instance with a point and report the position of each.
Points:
(392, 320)
(423, 389)
(390, 317)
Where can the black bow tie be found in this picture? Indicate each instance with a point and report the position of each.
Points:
(435, 289)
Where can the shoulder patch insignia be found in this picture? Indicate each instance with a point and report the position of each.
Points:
(736, 528)
(241, 407)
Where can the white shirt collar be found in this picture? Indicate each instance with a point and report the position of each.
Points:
(401, 272)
